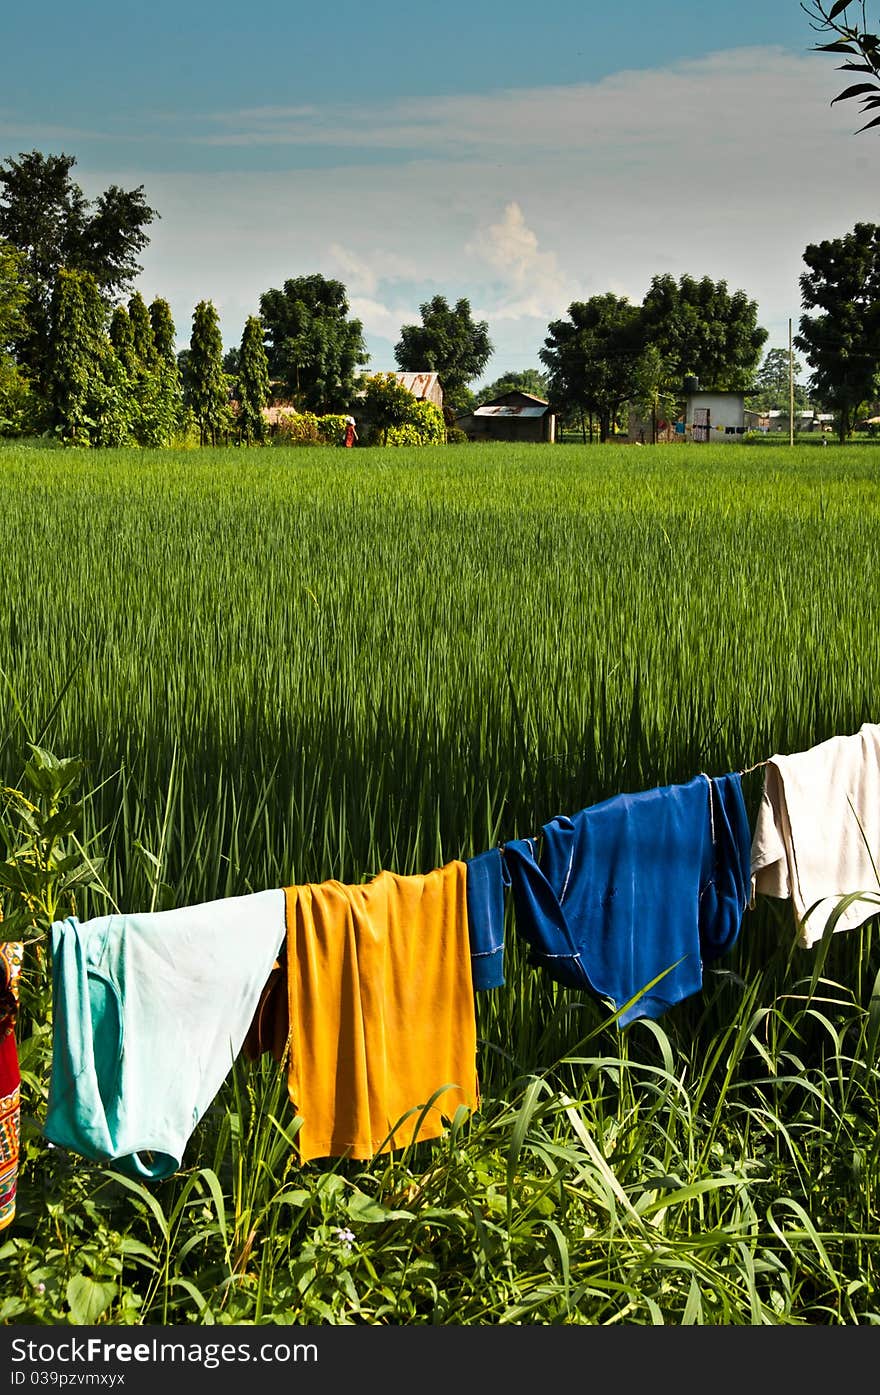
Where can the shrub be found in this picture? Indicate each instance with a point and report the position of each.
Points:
(308, 429)
(425, 427)
(331, 429)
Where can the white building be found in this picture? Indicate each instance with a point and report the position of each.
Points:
(713, 414)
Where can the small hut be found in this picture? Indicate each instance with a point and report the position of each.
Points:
(514, 416)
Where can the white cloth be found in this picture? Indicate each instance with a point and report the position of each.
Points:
(150, 1010)
(817, 835)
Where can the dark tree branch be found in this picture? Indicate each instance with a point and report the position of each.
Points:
(854, 41)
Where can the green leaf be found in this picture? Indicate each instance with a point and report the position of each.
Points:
(693, 1312)
(363, 1208)
(88, 1299)
(838, 8)
(856, 90)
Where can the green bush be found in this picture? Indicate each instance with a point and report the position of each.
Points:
(425, 427)
(331, 429)
(308, 429)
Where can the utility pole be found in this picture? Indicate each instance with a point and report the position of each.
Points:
(790, 387)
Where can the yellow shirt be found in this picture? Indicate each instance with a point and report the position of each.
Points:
(382, 1014)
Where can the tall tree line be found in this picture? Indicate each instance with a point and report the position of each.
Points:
(84, 356)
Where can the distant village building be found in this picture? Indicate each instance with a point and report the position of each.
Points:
(278, 412)
(775, 421)
(714, 414)
(514, 416)
(425, 387)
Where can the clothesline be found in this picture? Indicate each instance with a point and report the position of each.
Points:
(373, 986)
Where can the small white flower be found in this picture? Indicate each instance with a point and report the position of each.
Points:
(345, 1237)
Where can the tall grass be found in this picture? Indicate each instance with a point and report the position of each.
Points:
(286, 666)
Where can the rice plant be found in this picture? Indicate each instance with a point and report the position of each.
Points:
(283, 666)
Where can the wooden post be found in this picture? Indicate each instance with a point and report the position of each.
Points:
(790, 388)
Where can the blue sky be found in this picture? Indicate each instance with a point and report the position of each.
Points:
(523, 156)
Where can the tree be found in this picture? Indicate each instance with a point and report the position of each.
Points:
(206, 391)
(657, 390)
(842, 342)
(141, 330)
(702, 330)
(447, 342)
(13, 297)
(122, 339)
(253, 382)
(854, 41)
(313, 348)
(86, 386)
(773, 384)
(529, 380)
(162, 404)
(162, 326)
(592, 358)
(44, 213)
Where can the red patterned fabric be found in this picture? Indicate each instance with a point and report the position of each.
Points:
(10, 1079)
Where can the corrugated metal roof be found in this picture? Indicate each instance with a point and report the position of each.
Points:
(419, 384)
(509, 411)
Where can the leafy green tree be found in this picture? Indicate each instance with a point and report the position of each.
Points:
(14, 390)
(387, 403)
(656, 390)
(841, 343)
(44, 213)
(122, 339)
(772, 382)
(448, 342)
(86, 385)
(592, 358)
(701, 329)
(162, 326)
(253, 382)
(141, 331)
(161, 408)
(853, 40)
(312, 346)
(131, 334)
(13, 295)
(206, 390)
(529, 380)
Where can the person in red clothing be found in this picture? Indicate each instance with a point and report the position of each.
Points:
(350, 433)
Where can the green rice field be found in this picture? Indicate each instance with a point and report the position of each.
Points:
(283, 666)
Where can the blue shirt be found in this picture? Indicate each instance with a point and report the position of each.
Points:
(637, 886)
(486, 880)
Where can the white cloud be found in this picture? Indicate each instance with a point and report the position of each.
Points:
(632, 112)
(379, 320)
(533, 287)
(725, 166)
(359, 276)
